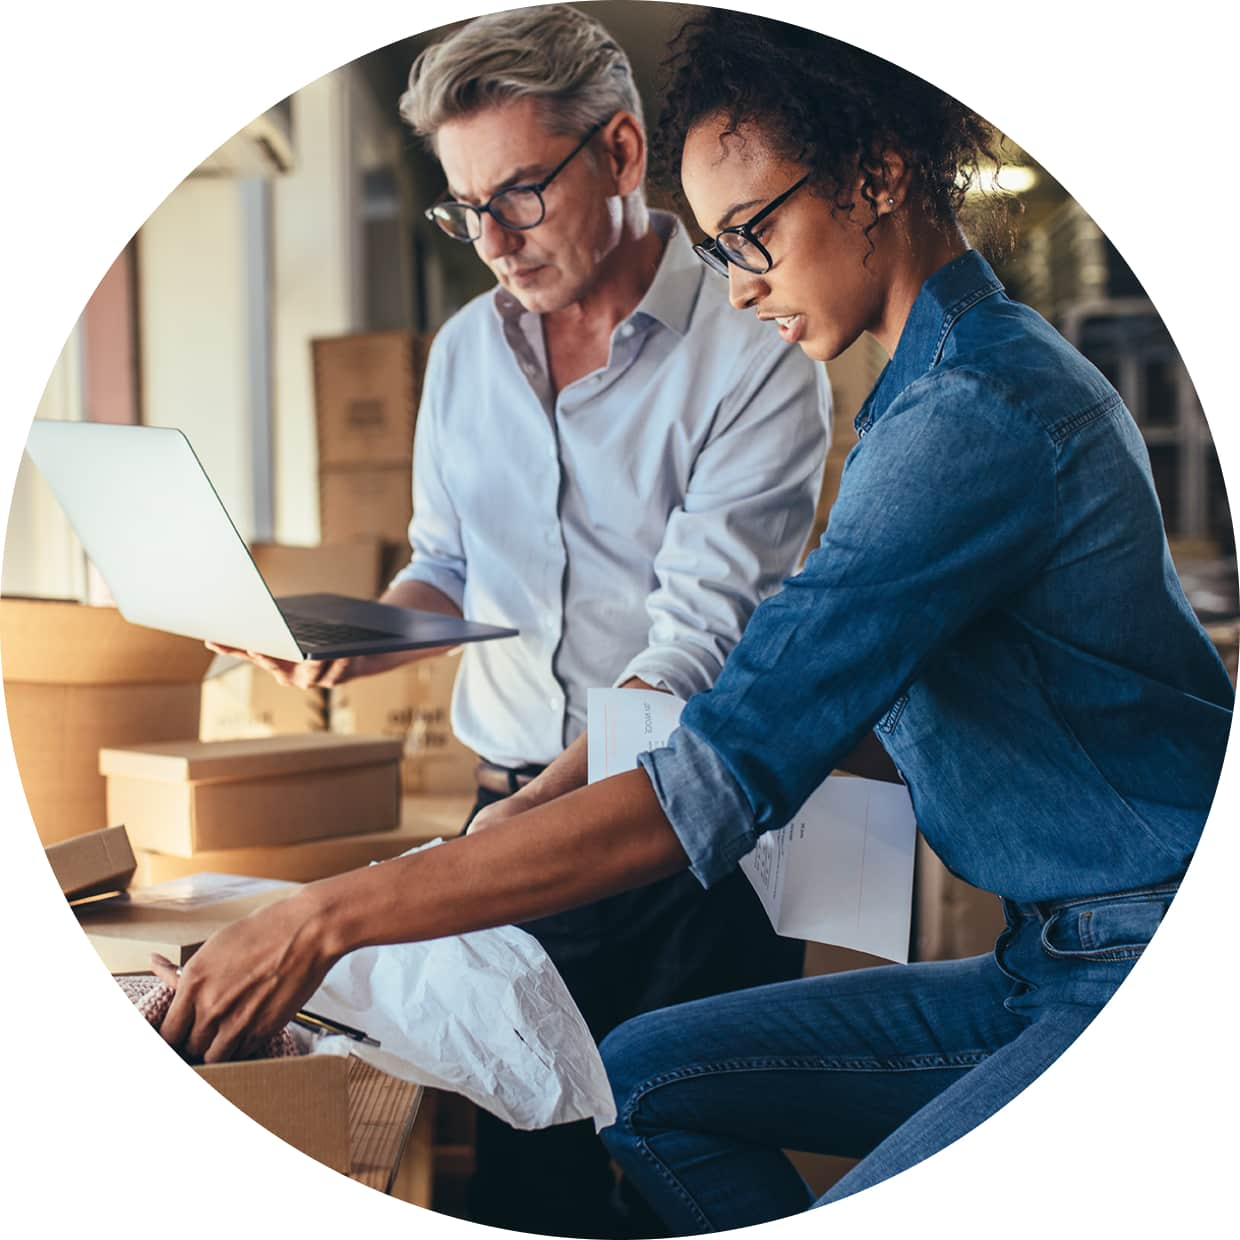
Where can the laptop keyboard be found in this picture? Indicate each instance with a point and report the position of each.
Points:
(310, 632)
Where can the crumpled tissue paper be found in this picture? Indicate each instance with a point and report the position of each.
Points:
(485, 1014)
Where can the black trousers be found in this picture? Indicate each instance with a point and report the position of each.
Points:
(666, 943)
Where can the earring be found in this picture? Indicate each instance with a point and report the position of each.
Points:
(891, 202)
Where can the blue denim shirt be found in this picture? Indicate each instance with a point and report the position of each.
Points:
(995, 597)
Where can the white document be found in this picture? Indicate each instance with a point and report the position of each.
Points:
(486, 1015)
(840, 872)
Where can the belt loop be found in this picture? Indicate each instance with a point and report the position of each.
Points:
(512, 781)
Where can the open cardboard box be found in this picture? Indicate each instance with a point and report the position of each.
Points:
(185, 797)
(337, 1109)
(78, 679)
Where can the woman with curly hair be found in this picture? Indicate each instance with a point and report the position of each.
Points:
(993, 600)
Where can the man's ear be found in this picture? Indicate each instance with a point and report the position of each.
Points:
(624, 144)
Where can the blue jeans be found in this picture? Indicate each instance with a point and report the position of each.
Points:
(886, 1065)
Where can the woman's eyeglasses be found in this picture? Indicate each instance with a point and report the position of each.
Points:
(737, 245)
(518, 207)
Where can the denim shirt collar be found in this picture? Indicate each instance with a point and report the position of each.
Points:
(945, 296)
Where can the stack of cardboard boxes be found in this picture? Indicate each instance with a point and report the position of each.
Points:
(366, 392)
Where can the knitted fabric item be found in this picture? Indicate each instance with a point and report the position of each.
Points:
(153, 999)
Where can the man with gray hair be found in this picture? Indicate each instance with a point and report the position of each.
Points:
(613, 462)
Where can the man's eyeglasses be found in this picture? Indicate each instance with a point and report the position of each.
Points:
(737, 245)
(518, 207)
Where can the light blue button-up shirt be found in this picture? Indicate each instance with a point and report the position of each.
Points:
(626, 526)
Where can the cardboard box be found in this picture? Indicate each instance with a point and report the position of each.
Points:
(951, 919)
(174, 919)
(337, 1109)
(366, 501)
(184, 797)
(78, 679)
(350, 568)
(245, 702)
(423, 818)
(412, 704)
(94, 864)
(366, 393)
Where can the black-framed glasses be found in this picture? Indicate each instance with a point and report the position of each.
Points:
(737, 245)
(517, 207)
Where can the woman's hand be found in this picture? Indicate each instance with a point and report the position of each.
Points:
(246, 982)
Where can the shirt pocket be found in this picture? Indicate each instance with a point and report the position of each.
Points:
(1115, 928)
(887, 724)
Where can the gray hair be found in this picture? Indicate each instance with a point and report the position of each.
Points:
(551, 53)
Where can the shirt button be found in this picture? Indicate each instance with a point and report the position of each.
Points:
(553, 702)
(627, 329)
(553, 538)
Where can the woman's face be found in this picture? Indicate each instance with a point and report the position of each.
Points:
(820, 290)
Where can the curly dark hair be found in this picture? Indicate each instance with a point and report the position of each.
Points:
(828, 105)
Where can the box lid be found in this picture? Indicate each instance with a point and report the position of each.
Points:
(48, 641)
(92, 864)
(201, 761)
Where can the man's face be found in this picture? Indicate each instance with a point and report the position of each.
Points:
(554, 264)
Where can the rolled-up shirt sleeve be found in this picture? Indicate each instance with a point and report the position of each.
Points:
(743, 523)
(438, 556)
(948, 503)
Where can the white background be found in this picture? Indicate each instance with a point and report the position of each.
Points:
(104, 107)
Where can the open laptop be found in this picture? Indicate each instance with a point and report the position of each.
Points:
(152, 523)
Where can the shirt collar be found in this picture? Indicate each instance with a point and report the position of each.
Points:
(945, 296)
(669, 299)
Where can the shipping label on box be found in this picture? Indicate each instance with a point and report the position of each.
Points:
(414, 704)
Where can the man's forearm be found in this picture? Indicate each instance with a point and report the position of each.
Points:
(580, 847)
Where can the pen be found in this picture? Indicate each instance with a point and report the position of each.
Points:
(323, 1024)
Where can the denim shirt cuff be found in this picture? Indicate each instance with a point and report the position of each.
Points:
(707, 810)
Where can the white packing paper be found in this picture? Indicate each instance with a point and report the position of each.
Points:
(840, 872)
(486, 1015)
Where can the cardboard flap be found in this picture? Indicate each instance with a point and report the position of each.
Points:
(93, 864)
(261, 757)
(44, 641)
(304, 1101)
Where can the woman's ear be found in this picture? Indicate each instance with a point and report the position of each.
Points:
(624, 144)
(892, 183)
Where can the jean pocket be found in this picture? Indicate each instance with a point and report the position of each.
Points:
(1107, 929)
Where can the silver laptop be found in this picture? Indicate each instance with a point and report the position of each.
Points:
(152, 523)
